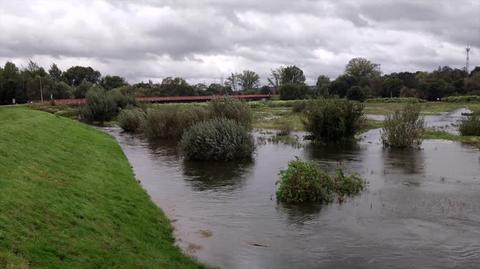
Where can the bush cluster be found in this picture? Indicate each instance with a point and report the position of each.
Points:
(403, 128)
(357, 93)
(171, 123)
(471, 125)
(217, 139)
(131, 120)
(306, 182)
(100, 106)
(293, 91)
(333, 120)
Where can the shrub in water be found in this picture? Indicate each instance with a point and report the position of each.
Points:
(471, 125)
(333, 120)
(217, 139)
(100, 106)
(233, 109)
(306, 182)
(403, 128)
(171, 123)
(347, 185)
(130, 120)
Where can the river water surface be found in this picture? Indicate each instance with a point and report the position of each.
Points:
(421, 208)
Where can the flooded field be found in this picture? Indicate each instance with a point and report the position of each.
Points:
(421, 208)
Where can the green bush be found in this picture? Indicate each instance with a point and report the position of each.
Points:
(233, 109)
(403, 128)
(293, 91)
(217, 139)
(356, 93)
(333, 120)
(100, 106)
(471, 125)
(306, 182)
(171, 122)
(122, 100)
(130, 120)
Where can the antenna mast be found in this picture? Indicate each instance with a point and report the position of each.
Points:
(467, 64)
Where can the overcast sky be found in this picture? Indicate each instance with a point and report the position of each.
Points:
(205, 40)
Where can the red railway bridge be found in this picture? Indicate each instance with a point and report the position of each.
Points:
(174, 99)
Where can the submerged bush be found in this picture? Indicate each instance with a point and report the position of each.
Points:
(233, 109)
(217, 139)
(333, 120)
(100, 106)
(471, 125)
(306, 182)
(130, 120)
(403, 128)
(171, 123)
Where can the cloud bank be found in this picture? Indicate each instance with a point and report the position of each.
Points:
(206, 40)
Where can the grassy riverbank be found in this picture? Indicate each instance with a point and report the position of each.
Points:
(69, 200)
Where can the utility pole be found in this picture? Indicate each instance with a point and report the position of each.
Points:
(41, 89)
(467, 64)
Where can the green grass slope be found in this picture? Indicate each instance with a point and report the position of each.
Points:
(68, 199)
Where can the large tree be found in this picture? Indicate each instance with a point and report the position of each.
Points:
(232, 81)
(76, 74)
(248, 80)
(112, 82)
(323, 82)
(55, 72)
(362, 70)
(176, 87)
(291, 75)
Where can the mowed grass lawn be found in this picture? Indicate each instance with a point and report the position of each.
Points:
(68, 199)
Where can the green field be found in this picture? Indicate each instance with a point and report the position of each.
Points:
(69, 200)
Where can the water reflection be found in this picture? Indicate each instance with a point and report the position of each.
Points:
(299, 214)
(216, 176)
(404, 161)
(391, 225)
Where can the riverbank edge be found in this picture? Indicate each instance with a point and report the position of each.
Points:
(29, 166)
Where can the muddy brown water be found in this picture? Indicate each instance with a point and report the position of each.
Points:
(421, 208)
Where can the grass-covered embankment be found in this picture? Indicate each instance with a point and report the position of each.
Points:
(68, 199)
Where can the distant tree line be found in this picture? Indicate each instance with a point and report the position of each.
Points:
(361, 79)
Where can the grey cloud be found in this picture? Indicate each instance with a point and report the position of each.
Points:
(208, 39)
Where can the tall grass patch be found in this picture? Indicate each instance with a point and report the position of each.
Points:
(403, 128)
(217, 139)
(233, 109)
(131, 120)
(333, 120)
(471, 125)
(171, 123)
